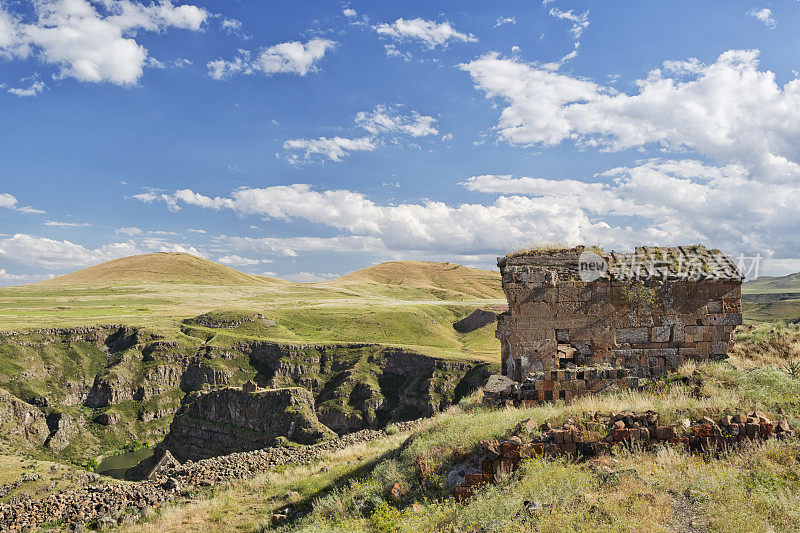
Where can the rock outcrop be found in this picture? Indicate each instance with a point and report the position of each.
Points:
(21, 421)
(231, 420)
(476, 320)
(358, 386)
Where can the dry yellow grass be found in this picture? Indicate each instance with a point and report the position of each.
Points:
(446, 277)
(164, 267)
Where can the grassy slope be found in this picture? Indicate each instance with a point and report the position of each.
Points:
(772, 298)
(753, 489)
(400, 303)
(164, 267)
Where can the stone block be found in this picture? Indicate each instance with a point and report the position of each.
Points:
(660, 333)
(632, 335)
(714, 306)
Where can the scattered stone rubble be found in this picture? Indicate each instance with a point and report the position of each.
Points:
(111, 503)
(596, 434)
(638, 316)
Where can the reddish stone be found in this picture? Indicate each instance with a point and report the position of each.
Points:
(463, 493)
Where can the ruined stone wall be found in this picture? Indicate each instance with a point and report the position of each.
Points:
(556, 320)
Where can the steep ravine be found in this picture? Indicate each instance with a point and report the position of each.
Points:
(81, 392)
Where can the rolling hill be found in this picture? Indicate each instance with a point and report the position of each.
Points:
(772, 298)
(163, 267)
(773, 284)
(441, 279)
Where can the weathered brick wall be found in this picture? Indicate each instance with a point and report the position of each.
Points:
(648, 327)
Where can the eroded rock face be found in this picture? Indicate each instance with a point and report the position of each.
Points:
(21, 420)
(362, 386)
(197, 375)
(62, 429)
(231, 420)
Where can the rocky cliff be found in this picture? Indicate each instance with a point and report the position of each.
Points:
(85, 391)
(231, 420)
(358, 386)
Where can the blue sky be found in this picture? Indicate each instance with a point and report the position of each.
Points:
(307, 139)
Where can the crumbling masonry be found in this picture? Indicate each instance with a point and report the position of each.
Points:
(581, 320)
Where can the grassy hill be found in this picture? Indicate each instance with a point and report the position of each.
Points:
(164, 267)
(404, 303)
(772, 298)
(441, 280)
(773, 284)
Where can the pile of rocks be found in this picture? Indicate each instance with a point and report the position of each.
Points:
(111, 503)
(564, 384)
(598, 433)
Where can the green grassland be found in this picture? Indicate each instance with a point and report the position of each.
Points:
(772, 298)
(408, 303)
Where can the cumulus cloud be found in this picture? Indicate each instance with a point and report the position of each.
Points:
(382, 123)
(764, 16)
(728, 110)
(9, 201)
(93, 41)
(35, 88)
(130, 231)
(430, 225)
(430, 33)
(23, 249)
(237, 260)
(386, 119)
(285, 58)
(332, 149)
(676, 201)
(349, 13)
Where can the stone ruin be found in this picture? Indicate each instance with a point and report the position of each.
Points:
(582, 320)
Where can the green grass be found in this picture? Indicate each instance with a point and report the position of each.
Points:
(756, 488)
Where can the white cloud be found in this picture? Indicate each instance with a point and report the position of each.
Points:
(431, 225)
(580, 21)
(333, 149)
(231, 26)
(35, 88)
(392, 51)
(130, 231)
(764, 16)
(505, 20)
(349, 13)
(60, 224)
(154, 196)
(309, 277)
(22, 249)
(93, 41)
(385, 119)
(431, 33)
(9, 201)
(284, 58)
(729, 110)
(237, 260)
(382, 122)
(676, 201)
(198, 231)
(292, 246)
